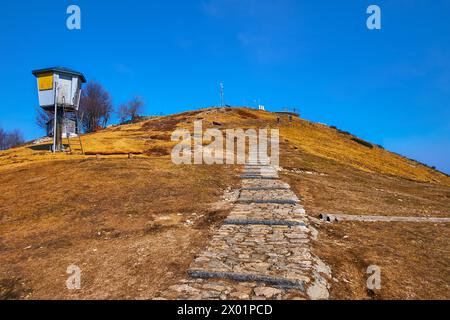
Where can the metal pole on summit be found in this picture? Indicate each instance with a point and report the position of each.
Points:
(55, 117)
(222, 100)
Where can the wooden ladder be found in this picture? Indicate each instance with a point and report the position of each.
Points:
(75, 144)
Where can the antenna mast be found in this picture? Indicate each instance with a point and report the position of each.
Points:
(222, 100)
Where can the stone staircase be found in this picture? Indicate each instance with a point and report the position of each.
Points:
(262, 250)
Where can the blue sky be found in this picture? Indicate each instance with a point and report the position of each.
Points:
(389, 86)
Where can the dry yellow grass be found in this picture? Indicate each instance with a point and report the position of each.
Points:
(312, 138)
(329, 143)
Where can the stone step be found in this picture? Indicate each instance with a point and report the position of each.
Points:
(275, 201)
(264, 183)
(258, 166)
(260, 163)
(260, 171)
(264, 188)
(269, 211)
(274, 281)
(258, 177)
(268, 222)
(269, 195)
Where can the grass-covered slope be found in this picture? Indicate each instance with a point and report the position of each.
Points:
(133, 225)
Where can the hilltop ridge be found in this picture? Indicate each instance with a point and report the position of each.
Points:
(152, 137)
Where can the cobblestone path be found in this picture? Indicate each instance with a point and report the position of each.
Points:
(262, 250)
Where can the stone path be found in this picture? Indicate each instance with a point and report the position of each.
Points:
(262, 250)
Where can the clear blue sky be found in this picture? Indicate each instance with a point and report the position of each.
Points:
(391, 87)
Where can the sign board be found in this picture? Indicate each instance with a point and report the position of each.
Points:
(45, 81)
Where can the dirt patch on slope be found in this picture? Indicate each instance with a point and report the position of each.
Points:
(413, 259)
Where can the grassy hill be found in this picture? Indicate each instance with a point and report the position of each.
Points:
(133, 224)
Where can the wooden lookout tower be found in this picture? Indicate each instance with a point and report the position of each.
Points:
(59, 91)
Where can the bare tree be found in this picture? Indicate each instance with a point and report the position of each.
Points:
(135, 107)
(10, 139)
(14, 138)
(2, 139)
(42, 118)
(122, 112)
(95, 107)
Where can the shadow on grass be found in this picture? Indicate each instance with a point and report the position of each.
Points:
(45, 147)
(41, 147)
